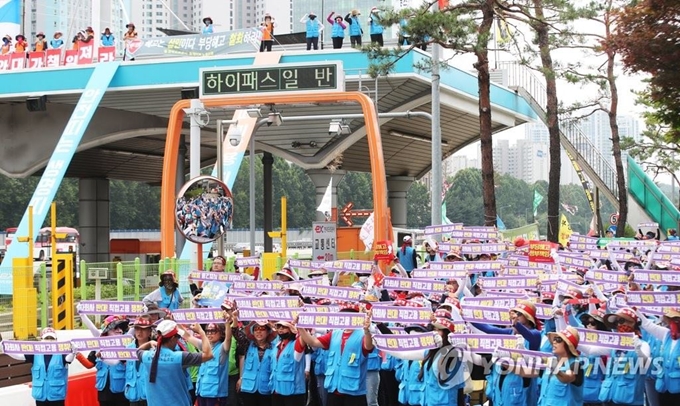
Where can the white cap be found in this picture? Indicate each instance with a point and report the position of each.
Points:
(48, 332)
(407, 238)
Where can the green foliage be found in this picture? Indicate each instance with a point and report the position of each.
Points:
(356, 187)
(418, 206)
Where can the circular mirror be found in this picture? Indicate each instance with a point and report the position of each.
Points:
(204, 209)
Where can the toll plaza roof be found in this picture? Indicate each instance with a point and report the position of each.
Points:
(126, 138)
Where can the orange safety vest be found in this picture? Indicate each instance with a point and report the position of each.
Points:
(40, 46)
(268, 31)
(20, 47)
(5, 49)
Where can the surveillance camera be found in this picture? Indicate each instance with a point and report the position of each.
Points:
(234, 139)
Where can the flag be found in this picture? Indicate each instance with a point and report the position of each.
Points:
(326, 206)
(445, 219)
(10, 17)
(593, 227)
(570, 209)
(537, 200)
(366, 233)
(499, 223)
(565, 231)
(503, 34)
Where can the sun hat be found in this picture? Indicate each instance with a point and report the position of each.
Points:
(250, 332)
(570, 338)
(48, 332)
(287, 324)
(289, 273)
(626, 313)
(528, 310)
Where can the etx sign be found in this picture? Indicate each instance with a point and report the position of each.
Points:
(324, 241)
(281, 78)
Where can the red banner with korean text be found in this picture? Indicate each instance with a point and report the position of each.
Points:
(106, 54)
(53, 58)
(85, 53)
(539, 251)
(4, 61)
(71, 57)
(384, 251)
(36, 59)
(17, 60)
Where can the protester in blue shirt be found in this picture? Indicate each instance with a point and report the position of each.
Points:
(167, 296)
(208, 28)
(355, 31)
(376, 29)
(108, 40)
(408, 258)
(338, 31)
(313, 29)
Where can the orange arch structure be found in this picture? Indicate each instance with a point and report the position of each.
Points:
(381, 221)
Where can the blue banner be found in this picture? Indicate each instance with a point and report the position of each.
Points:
(57, 165)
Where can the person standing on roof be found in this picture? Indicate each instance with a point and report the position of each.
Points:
(267, 27)
(355, 31)
(107, 39)
(338, 32)
(40, 44)
(56, 42)
(208, 27)
(313, 29)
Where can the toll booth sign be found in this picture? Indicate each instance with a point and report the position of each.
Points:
(282, 78)
(324, 235)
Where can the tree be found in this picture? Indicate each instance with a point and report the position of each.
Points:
(464, 198)
(647, 37)
(463, 28)
(549, 21)
(603, 75)
(418, 206)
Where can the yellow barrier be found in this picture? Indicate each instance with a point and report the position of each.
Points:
(24, 300)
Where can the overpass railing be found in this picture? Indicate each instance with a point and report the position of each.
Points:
(603, 173)
(655, 203)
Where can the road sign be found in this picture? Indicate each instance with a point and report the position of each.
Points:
(347, 213)
(614, 219)
(281, 78)
(324, 235)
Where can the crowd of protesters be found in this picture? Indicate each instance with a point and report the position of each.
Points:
(277, 362)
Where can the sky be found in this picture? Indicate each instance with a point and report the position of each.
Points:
(567, 93)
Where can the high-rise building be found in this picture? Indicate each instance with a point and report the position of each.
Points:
(596, 128)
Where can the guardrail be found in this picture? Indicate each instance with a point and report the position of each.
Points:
(655, 203)
(519, 76)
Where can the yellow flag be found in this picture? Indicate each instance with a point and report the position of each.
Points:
(503, 33)
(565, 231)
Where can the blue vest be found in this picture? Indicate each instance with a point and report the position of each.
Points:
(213, 375)
(312, 28)
(207, 29)
(107, 41)
(375, 29)
(337, 31)
(668, 379)
(49, 383)
(346, 369)
(256, 376)
(354, 28)
(374, 360)
(513, 392)
(411, 390)
(389, 364)
(620, 386)
(554, 392)
(170, 302)
(436, 394)
(170, 387)
(406, 258)
(115, 375)
(136, 376)
(320, 357)
(593, 375)
(288, 375)
(655, 351)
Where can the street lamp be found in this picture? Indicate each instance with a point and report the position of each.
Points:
(500, 211)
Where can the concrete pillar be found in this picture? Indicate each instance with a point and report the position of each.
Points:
(397, 186)
(268, 199)
(179, 182)
(93, 214)
(320, 178)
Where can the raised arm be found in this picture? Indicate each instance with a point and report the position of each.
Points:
(330, 17)
(304, 18)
